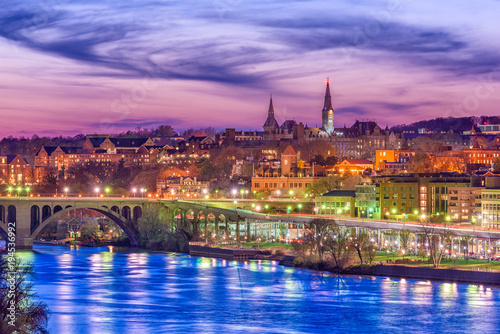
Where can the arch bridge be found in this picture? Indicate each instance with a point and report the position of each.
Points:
(31, 215)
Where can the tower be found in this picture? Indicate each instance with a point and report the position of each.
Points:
(327, 112)
(271, 124)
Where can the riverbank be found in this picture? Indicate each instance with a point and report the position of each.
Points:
(408, 272)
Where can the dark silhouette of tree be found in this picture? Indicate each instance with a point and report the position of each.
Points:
(31, 316)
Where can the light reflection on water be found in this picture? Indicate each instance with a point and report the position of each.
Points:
(93, 290)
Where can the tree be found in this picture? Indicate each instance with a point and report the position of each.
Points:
(420, 163)
(405, 236)
(325, 184)
(496, 165)
(438, 241)
(318, 159)
(16, 290)
(322, 228)
(336, 245)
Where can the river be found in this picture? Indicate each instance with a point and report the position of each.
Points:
(95, 290)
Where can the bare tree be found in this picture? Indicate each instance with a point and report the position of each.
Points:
(16, 292)
(438, 241)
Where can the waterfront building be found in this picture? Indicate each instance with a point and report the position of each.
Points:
(337, 202)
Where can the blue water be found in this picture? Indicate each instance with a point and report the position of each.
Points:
(93, 290)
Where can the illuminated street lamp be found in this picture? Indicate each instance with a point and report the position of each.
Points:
(19, 189)
(27, 192)
(66, 191)
(107, 190)
(134, 190)
(10, 190)
(234, 192)
(96, 190)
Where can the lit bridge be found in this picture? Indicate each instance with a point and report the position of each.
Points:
(31, 215)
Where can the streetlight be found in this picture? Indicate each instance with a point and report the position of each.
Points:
(234, 192)
(96, 190)
(66, 191)
(134, 190)
(27, 192)
(19, 189)
(106, 190)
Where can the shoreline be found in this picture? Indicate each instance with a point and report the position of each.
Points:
(381, 270)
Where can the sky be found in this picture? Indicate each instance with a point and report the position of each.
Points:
(88, 66)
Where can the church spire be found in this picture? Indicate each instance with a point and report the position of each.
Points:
(327, 112)
(270, 112)
(328, 98)
(271, 122)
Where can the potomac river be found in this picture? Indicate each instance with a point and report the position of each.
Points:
(106, 290)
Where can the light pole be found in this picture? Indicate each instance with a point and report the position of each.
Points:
(66, 191)
(134, 190)
(19, 189)
(27, 192)
(96, 189)
(106, 190)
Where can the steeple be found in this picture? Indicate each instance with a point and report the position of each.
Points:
(328, 98)
(271, 124)
(327, 112)
(270, 112)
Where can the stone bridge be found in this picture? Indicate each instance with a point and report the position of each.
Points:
(30, 215)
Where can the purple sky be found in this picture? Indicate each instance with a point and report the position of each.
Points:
(76, 66)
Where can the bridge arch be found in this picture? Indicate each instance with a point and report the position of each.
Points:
(11, 214)
(115, 209)
(57, 208)
(120, 220)
(126, 213)
(35, 217)
(46, 212)
(136, 213)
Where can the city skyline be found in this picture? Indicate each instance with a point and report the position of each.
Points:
(84, 67)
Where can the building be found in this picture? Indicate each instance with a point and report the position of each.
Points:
(181, 187)
(100, 149)
(337, 202)
(353, 166)
(392, 159)
(293, 174)
(464, 204)
(14, 170)
(368, 200)
(403, 195)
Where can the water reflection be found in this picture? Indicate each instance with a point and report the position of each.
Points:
(99, 291)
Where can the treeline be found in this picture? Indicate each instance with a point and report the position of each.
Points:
(440, 124)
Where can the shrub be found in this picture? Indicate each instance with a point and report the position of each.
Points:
(279, 252)
(298, 261)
